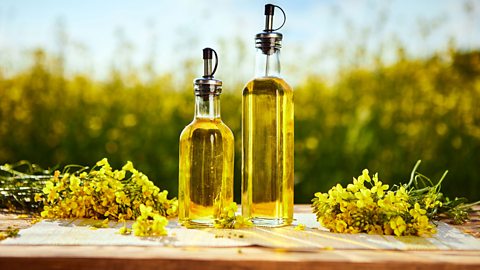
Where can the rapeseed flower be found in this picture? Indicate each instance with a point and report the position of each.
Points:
(367, 206)
(227, 219)
(106, 193)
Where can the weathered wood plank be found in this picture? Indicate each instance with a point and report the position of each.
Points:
(92, 257)
(79, 232)
(156, 257)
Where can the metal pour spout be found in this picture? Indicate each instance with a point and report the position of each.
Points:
(269, 12)
(207, 84)
(207, 63)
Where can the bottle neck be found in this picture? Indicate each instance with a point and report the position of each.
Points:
(207, 106)
(267, 65)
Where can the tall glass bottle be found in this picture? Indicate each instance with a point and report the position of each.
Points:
(206, 155)
(267, 135)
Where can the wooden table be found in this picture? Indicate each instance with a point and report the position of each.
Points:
(134, 257)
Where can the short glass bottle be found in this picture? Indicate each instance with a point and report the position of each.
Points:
(206, 156)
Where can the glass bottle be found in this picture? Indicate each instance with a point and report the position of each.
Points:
(267, 135)
(206, 155)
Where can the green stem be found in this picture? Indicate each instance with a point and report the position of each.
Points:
(441, 180)
(412, 175)
(81, 168)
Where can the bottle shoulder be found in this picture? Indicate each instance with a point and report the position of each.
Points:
(206, 127)
(226, 130)
(267, 84)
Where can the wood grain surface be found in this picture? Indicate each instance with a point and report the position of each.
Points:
(135, 257)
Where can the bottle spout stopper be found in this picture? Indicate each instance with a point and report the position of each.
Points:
(207, 85)
(269, 41)
(269, 12)
(207, 62)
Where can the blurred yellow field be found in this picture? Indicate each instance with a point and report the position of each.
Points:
(384, 117)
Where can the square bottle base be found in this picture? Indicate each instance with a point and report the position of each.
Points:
(271, 222)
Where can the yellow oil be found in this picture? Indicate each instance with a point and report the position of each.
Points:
(267, 157)
(206, 171)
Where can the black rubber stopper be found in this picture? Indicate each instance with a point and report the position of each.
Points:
(269, 8)
(208, 53)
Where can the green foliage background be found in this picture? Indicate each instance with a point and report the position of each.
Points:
(384, 117)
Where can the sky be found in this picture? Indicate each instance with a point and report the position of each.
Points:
(96, 35)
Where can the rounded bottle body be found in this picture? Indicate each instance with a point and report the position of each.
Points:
(206, 171)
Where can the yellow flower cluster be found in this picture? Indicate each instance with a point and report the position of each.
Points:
(149, 223)
(228, 220)
(367, 206)
(104, 193)
(300, 227)
(9, 232)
